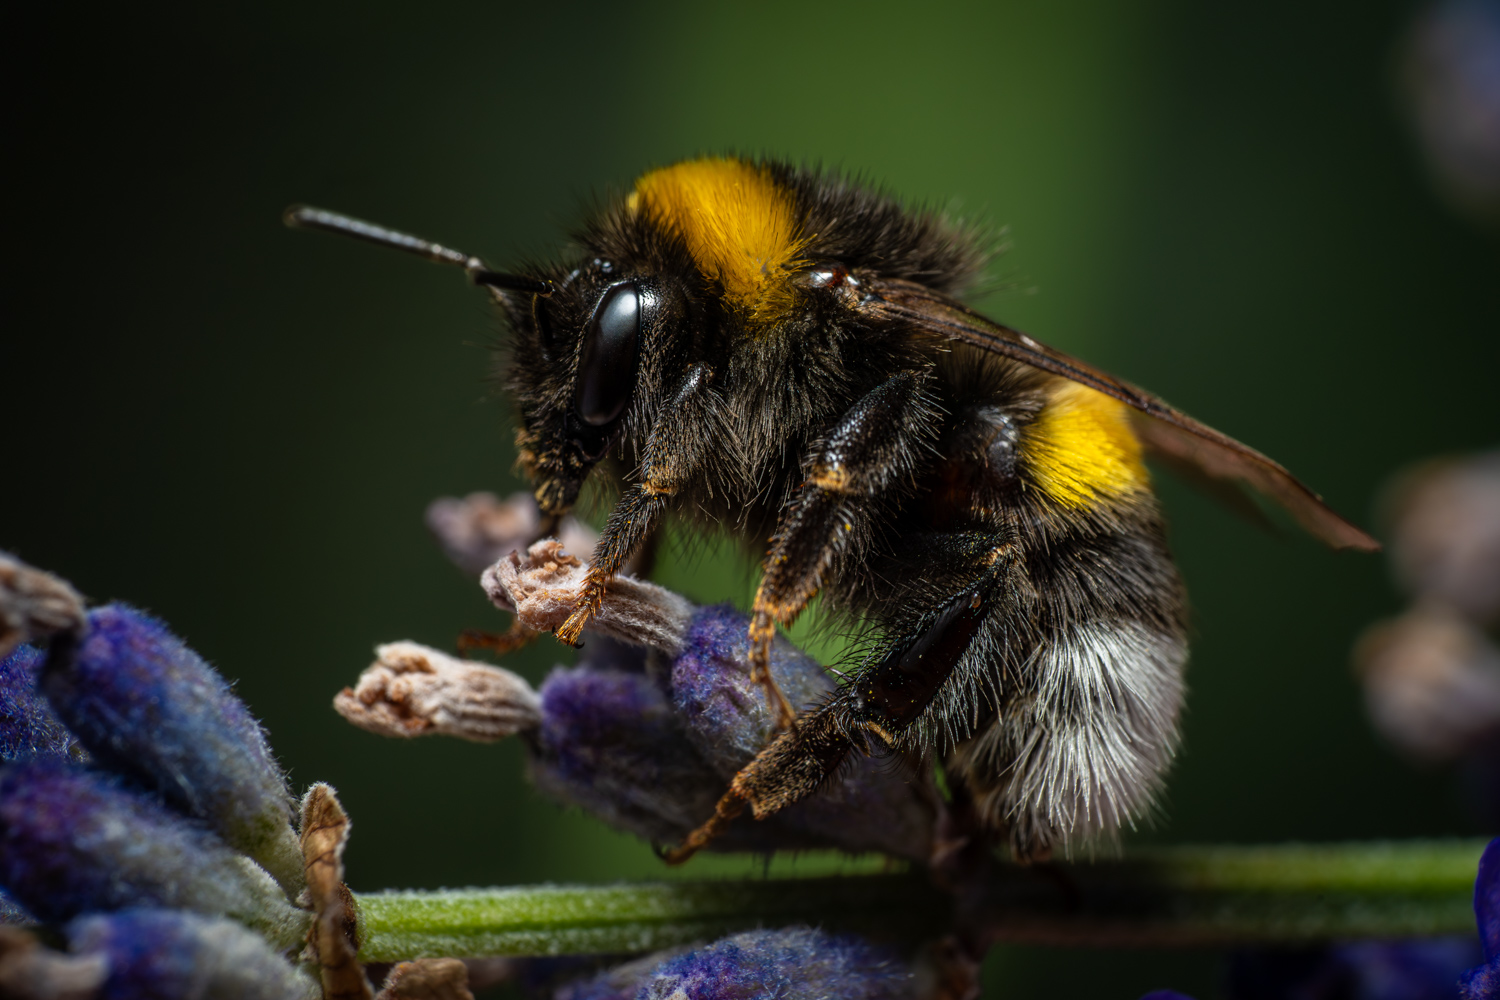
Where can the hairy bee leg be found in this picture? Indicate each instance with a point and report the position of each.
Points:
(672, 454)
(883, 699)
(516, 637)
(868, 455)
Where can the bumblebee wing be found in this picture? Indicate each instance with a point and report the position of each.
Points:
(1163, 429)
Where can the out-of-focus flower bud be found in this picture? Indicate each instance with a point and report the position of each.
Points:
(1452, 86)
(797, 963)
(1420, 967)
(73, 841)
(28, 726)
(1444, 522)
(1432, 683)
(172, 955)
(148, 706)
(33, 604)
(427, 979)
(480, 529)
(12, 912)
(28, 971)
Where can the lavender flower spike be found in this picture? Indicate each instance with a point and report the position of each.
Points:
(73, 841)
(148, 706)
(172, 955)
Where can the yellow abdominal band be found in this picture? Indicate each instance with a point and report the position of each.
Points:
(1081, 447)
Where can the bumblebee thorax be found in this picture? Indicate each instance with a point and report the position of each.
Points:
(740, 225)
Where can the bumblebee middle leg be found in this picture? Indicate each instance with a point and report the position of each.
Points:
(885, 698)
(868, 457)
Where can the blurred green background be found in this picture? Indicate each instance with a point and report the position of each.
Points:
(238, 427)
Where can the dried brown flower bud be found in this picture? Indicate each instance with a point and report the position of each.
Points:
(411, 690)
(325, 833)
(428, 979)
(480, 528)
(542, 588)
(33, 604)
(29, 971)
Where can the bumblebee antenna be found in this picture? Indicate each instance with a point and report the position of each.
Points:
(307, 217)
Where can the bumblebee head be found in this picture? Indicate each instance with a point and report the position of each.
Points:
(590, 352)
(587, 366)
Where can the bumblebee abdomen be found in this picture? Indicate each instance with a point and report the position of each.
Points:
(1080, 450)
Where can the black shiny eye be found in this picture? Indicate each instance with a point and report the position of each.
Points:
(606, 371)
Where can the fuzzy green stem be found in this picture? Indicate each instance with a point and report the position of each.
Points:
(1164, 897)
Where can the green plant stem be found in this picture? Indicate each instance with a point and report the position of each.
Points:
(1165, 897)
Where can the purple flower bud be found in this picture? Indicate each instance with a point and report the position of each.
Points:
(74, 841)
(148, 706)
(798, 963)
(1483, 981)
(869, 806)
(610, 743)
(1453, 85)
(724, 713)
(1421, 967)
(28, 727)
(652, 754)
(171, 955)
(13, 913)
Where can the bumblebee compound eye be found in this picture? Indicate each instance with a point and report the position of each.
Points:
(611, 346)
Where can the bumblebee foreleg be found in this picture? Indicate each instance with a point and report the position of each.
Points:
(868, 456)
(673, 452)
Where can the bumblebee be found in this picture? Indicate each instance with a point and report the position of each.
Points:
(785, 354)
